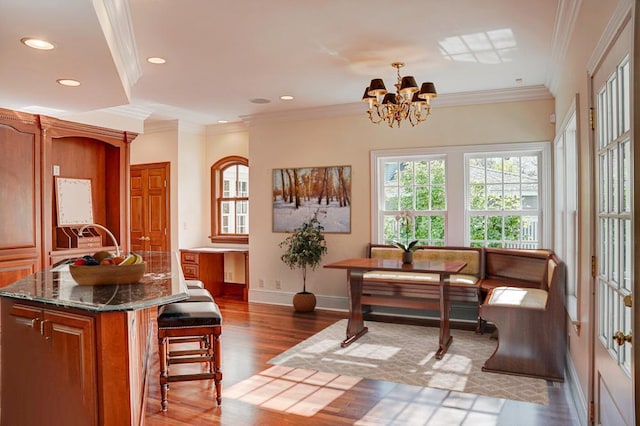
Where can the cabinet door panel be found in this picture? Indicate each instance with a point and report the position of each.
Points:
(70, 339)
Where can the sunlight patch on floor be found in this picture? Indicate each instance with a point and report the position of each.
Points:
(435, 407)
(369, 351)
(291, 390)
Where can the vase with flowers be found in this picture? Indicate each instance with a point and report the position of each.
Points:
(405, 228)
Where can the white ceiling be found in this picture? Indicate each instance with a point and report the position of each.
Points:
(223, 53)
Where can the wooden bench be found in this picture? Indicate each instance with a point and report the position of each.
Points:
(511, 268)
(407, 289)
(530, 318)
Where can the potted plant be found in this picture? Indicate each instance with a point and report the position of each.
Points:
(304, 249)
(405, 225)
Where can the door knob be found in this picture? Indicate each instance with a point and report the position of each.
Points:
(621, 338)
(141, 239)
(628, 301)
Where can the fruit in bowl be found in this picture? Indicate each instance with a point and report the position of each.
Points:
(88, 270)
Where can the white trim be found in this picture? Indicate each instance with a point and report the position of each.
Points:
(514, 94)
(621, 14)
(575, 391)
(566, 17)
(115, 20)
(284, 298)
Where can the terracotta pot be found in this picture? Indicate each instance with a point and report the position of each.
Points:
(407, 257)
(304, 302)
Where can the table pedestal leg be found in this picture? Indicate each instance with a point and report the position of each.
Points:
(355, 324)
(445, 306)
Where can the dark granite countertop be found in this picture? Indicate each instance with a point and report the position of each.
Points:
(162, 283)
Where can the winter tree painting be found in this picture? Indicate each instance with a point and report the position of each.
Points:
(299, 193)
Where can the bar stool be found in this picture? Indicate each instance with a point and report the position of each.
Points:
(199, 320)
(194, 283)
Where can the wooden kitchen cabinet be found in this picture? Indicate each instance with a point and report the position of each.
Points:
(20, 183)
(206, 267)
(55, 349)
(207, 264)
(34, 149)
(67, 367)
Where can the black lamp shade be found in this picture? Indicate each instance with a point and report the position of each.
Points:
(389, 98)
(366, 97)
(376, 87)
(428, 90)
(408, 85)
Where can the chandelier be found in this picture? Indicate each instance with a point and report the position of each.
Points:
(408, 103)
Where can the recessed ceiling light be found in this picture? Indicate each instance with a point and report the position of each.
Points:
(286, 97)
(259, 101)
(223, 121)
(36, 43)
(156, 60)
(68, 82)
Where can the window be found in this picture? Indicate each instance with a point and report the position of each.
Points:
(419, 186)
(503, 204)
(484, 195)
(230, 200)
(565, 241)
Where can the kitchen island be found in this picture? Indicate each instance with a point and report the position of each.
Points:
(79, 355)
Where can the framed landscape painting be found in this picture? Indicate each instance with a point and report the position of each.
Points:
(301, 192)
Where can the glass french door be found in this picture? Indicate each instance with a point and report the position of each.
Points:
(613, 372)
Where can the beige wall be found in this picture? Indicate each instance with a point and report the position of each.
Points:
(348, 141)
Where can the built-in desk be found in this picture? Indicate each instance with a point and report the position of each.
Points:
(208, 265)
(79, 355)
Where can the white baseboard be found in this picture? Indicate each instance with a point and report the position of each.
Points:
(285, 298)
(575, 393)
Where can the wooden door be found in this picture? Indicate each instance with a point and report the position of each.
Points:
(150, 207)
(615, 234)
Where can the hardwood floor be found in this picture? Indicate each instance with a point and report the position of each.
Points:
(254, 333)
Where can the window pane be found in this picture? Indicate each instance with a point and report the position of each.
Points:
(422, 198)
(391, 200)
(438, 201)
(229, 178)
(477, 197)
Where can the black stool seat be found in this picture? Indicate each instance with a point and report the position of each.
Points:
(198, 295)
(194, 283)
(189, 314)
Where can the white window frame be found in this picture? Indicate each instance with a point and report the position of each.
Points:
(456, 185)
(566, 203)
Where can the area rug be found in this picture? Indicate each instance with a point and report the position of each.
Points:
(406, 354)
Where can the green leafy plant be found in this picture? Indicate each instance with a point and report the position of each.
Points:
(305, 247)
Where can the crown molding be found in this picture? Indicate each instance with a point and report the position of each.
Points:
(115, 20)
(620, 15)
(515, 94)
(565, 21)
(159, 126)
(221, 129)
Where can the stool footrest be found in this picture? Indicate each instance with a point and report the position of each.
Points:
(178, 340)
(188, 377)
(188, 352)
(190, 360)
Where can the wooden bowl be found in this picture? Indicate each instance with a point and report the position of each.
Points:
(107, 274)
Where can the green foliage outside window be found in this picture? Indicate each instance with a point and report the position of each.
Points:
(417, 186)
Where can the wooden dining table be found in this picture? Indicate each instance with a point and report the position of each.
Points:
(356, 267)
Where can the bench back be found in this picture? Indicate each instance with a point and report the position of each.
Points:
(519, 265)
(470, 255)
